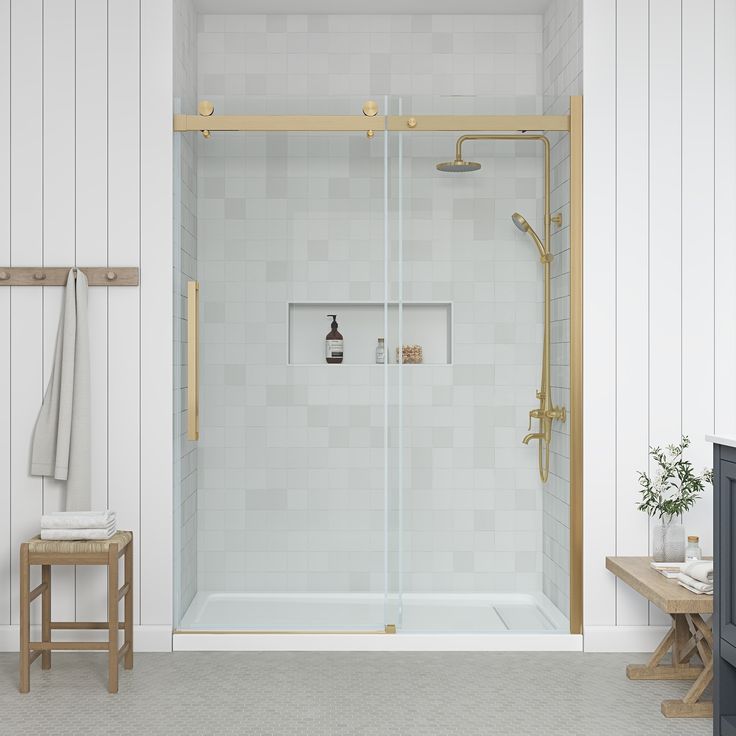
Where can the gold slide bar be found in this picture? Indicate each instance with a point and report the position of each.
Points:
(536, 123)
(278, 122)
(193, 360)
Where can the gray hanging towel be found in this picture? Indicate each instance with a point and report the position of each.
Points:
(61, 438)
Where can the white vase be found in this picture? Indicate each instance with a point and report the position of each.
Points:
(668, 541)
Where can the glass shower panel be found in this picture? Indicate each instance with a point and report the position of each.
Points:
(292, 491)
(472, 531)
(394, 308)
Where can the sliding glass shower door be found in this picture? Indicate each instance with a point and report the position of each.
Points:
(292, 522)
(481, 539)
(389, 491)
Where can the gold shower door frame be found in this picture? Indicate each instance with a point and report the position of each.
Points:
(571, 124)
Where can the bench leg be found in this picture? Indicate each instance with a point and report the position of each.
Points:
(681, 652)
(677, 641)
(112, 618)
(689, 634)
(25, 620)
(128, 660)
(46, 615)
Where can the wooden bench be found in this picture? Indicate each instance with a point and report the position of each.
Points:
(103, 552)
(689, 634)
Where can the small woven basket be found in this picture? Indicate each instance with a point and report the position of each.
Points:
(410, 354)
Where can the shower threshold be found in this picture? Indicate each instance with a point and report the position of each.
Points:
(510, 621)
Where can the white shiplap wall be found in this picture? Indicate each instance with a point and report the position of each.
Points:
(660, 100)
(85, 178)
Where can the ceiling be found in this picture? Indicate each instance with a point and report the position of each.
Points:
(389, 7)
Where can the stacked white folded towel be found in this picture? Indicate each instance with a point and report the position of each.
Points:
(697, 577)
(69, 525)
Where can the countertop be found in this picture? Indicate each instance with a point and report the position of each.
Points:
(720, 439)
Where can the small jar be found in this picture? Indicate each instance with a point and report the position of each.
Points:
(692, 551)
(380, 351)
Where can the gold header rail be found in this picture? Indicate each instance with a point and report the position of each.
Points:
(56, 276)
(492, 123)
(286, 123)
(362, 123)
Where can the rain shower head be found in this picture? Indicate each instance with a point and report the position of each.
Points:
(520, 222)
(458, 166)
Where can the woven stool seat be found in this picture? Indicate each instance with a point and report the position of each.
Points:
(78, 546)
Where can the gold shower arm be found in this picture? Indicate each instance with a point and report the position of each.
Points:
(494, 137)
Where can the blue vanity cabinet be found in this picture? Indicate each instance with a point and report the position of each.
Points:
(724, 601)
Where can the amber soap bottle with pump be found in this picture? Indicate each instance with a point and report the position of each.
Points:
(333, 343)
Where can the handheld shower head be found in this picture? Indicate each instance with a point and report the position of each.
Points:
(525, 227)
(520, 222)
(458, 166)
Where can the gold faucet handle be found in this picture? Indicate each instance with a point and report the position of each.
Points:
(534, 414)
(557, 412)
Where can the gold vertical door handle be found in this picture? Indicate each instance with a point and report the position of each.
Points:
(193, 360)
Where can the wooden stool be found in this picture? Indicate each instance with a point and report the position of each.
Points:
(99, 552)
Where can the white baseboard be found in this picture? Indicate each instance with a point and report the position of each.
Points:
(245, 642)
(623, 638)
(152, 638)
(159, 639)
(145, 638)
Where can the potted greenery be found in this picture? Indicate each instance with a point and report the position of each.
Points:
(674, 490)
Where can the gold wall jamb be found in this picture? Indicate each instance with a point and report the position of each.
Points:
(348, 123)
(576, 365)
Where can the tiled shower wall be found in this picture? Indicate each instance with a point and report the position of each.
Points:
(472, 497)
(562, 79)
(291, 486)
(185, 268)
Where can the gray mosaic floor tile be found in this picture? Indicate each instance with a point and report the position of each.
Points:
(345, 694)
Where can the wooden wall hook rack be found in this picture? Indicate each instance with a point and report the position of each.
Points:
(56, 276)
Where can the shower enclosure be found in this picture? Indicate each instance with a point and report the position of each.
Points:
(394, 497)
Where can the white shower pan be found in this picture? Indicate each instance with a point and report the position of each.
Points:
(428, 622)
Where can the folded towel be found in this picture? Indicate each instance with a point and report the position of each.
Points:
(695, 585)
(78, 520)
(694, 590)
(700, 570)
(70, 534)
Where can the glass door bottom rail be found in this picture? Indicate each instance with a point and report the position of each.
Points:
(364, 612)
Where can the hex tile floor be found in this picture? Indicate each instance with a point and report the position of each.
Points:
(346, 694)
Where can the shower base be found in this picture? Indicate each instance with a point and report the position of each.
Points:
(510, 621)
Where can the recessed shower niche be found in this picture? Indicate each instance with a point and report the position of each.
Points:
(427, 324)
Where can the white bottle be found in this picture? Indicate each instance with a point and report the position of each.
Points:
(380, 352)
